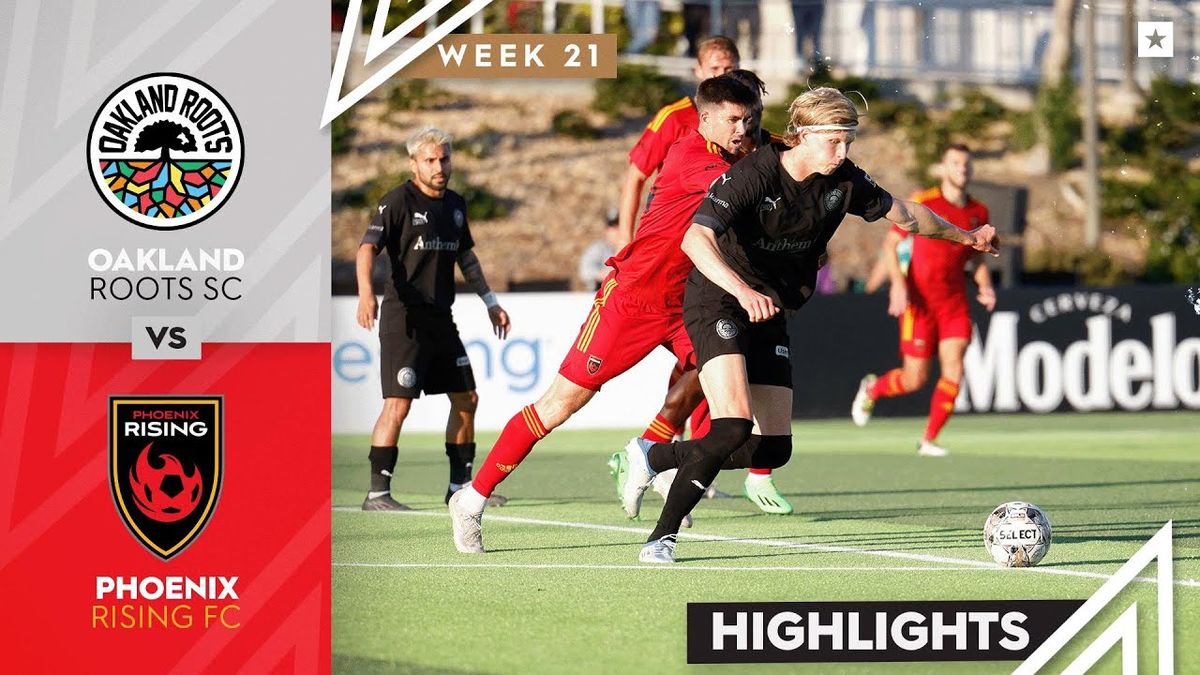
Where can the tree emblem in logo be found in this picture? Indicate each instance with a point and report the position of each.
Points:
(165, 151)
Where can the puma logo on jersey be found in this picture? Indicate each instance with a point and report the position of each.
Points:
(725, 178)
(769, 204)
(382, 207)
(420, 219)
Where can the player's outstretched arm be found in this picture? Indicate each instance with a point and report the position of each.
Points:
(472, 271)
(364, 263)
(700, 244)
(919, 220)
(631, 198)
(898, 291)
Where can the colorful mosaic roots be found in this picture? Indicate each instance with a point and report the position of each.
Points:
(165, 189)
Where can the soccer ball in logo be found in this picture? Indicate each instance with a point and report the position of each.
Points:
(163, 489)
(1017, 534)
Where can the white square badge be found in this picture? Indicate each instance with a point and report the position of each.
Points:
(1155, 39)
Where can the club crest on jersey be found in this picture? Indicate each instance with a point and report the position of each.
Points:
(593, 364)
(459, 218)
(420, 219)
(165, 151)
(165, 466)
(727, 329)
(834, 199)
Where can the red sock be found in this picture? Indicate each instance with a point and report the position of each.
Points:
(660, 430)
(941, 406)
(515, 442)
(700, 420)
(889, 384)
(759, 472)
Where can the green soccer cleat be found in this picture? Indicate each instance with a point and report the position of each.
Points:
(764, 495)
(618, 469)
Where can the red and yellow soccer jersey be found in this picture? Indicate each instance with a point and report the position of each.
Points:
(671, 123)
(936, 271)
(652, 267)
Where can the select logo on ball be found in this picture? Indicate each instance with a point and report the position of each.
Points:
(166, 463)
(165, 151)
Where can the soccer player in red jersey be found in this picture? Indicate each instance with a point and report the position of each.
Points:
(932, 303)
(715, 56)
(638, 308)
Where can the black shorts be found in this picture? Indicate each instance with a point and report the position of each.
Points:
(421, 353)
(718, 325)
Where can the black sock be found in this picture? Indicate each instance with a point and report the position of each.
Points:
(699, 468)
(461, 456)
(383, 464)
(666, 456)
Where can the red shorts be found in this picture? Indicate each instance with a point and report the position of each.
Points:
(923, 326)
(619, 332)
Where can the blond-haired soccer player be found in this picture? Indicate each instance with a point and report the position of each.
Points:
(931, 302)
(423, 227)
(756, 242)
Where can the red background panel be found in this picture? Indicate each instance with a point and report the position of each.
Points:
(59, 529)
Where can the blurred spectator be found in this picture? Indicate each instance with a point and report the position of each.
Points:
(737, 11)
(592, 267)
(642, 18)
(808, 15)
(696, 23)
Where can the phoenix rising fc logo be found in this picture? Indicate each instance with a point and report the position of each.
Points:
(166, 463)
(165, 151)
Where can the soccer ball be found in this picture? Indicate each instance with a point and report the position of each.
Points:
(163, 489)
(1017, 534)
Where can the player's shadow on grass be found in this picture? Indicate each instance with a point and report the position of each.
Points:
(996, 488)
(361, 665)
(565, 547)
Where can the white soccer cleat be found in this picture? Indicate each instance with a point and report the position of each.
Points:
(468, 526)
(638, 478)
(662, 485)
(927, 449)
(860, 410)
(660, 551)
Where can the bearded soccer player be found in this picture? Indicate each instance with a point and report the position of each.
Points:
(757, 242)
(423, 227)
(931, 303)
(638, 308)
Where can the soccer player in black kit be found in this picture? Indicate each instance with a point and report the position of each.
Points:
(756, 241)
(423, 227)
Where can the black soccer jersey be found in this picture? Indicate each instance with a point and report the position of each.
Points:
(423, 237)
(772, 228)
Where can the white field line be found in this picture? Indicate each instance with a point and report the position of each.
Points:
(776, 543)
(680, 568)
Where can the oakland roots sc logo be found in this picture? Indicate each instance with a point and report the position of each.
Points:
(165, 151)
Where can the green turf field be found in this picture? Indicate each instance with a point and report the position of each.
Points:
(561, 591)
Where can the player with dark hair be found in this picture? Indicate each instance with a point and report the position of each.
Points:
(637, 309)
(715, 56)
(931, 303)
(423, 227)
(756, 242)
(684, 398)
